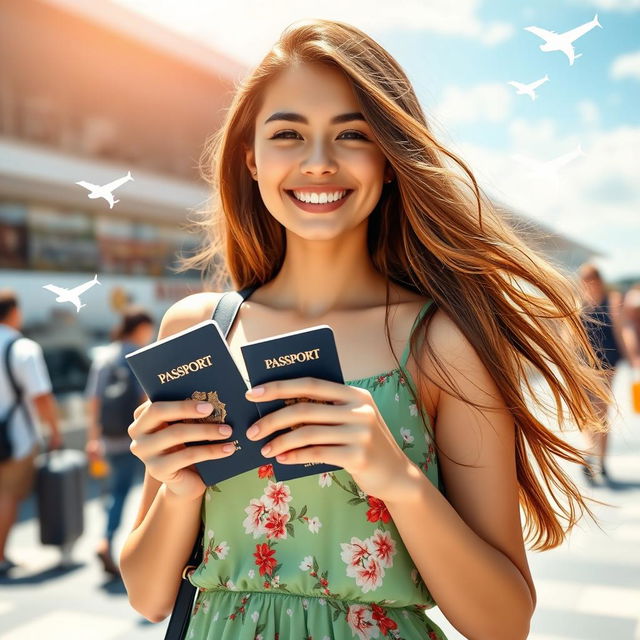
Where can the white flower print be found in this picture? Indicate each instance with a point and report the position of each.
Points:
(305, 604)
(276, 581)
(406, 435)
(277, 497)
(322, 601)
(325, 480)
(253, 522)
(397, 397)
(229, 584)
(258, 637)
(289, 612)
(314, 524)
(361, 622)
(254, 616)
(384, 548)
(210, 533)
(354, 552)
(413, 409)
(252, 573)
(215, 618)
(306, 564)
(367, 559)
(369, 576)
(205, 606)
(222, 549)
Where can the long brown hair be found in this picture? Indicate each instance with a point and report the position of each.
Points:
(436, 233)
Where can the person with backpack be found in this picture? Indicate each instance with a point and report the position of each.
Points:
(25, 396)
(112, 395)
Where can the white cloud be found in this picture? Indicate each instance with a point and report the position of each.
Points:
(589, 113)
(614, 5)
(484, 102)
(626, 66)
(246, 30)
(596, 199)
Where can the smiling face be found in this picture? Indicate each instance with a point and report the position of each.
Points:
(311, 142)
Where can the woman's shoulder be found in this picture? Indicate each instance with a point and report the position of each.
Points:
(188, 311)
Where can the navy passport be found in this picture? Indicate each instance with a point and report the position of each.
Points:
(308, 352)
(196, 364)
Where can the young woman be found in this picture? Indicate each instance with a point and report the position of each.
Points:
(406, 257)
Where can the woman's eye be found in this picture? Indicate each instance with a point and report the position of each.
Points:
(282, 136)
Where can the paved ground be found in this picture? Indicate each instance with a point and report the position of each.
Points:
(588, 589)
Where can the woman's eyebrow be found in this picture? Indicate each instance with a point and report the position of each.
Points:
(296, 117)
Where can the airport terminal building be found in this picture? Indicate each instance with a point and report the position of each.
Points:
(90, 91)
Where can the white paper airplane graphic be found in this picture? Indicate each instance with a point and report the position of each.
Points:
(562, 41)
(551, 167)
(528, 89)
(105, 190)
(72, 295)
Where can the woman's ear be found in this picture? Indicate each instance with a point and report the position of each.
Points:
(249, 160)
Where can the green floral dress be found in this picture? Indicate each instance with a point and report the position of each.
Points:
(315, 558)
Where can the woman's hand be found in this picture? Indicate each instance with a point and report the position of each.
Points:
(161, 447)
(349, 433)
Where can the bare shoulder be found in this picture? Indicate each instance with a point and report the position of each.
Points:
(188, 311)
(458, 357)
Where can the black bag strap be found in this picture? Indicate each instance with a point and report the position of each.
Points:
(224, 315)
(16, 389)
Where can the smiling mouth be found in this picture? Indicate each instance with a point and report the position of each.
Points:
(319, 207)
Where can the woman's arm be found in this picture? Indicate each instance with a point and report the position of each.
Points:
(469, 547)
(160, 543)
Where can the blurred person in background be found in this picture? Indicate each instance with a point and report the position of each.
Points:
(603, 324)
(29, 370)
(112, 394)
(631, 338)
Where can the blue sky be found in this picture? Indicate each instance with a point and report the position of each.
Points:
(460, 56)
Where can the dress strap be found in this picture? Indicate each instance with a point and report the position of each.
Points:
(405, 354)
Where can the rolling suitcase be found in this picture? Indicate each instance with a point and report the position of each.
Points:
(60, 491)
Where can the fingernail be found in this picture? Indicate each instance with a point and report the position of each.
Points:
(265, 450)
(228, 447)
(204, 407)
(256, 391)
(252, 431)
(225, 430)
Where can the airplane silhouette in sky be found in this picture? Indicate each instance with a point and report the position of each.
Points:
(562, 41)
(528, 89)
(72, 295)
(105, 190)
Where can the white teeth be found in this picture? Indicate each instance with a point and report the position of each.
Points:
(319, 198)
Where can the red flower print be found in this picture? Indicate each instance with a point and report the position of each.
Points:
(432, 635)
(265, 471)
(263, 558)
(378, 510)
(275, 524)
(384, 623)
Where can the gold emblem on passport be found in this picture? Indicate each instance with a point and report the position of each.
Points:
(219, 412)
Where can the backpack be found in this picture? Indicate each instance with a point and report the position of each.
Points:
(6, 445)
(120, 397)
